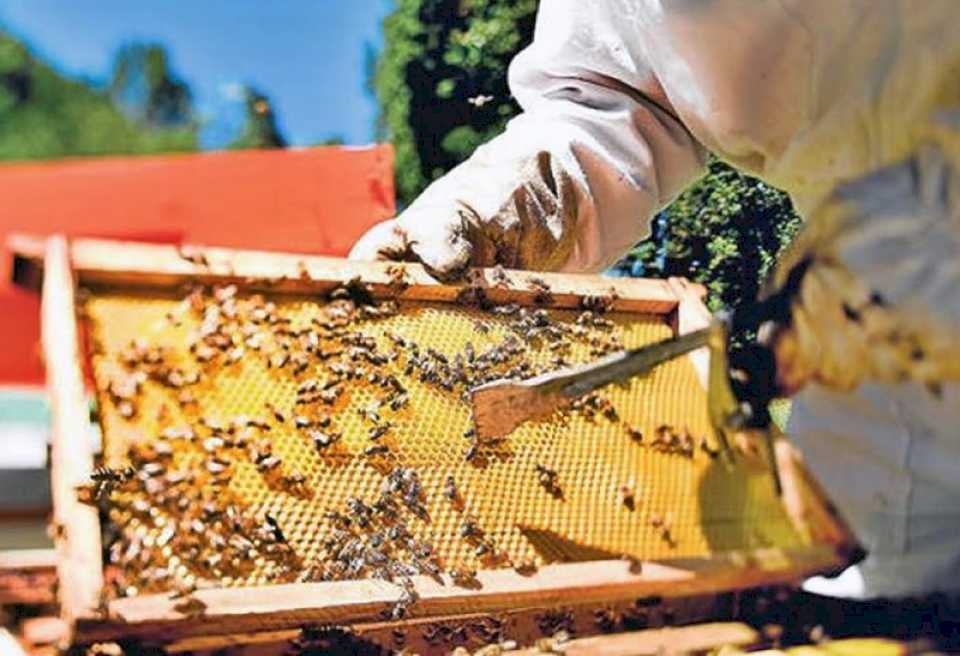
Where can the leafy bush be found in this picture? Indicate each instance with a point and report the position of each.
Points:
(725, 231)
(437, 56)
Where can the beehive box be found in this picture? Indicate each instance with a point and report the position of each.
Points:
(289, 445)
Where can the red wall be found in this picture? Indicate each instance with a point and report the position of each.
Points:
(317, 200)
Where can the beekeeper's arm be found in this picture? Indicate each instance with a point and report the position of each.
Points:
(572, 182)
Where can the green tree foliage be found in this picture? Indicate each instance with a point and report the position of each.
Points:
(441, 81)
(259, 129)
(144, 108)
(45, 115)
(725, 231)
(147, 89)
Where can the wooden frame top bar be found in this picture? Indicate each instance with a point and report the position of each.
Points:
(128, 264)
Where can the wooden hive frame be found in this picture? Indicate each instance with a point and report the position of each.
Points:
(277, 610)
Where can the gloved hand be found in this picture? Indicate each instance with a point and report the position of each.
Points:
(520, 211)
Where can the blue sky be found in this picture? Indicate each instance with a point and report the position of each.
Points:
(306, 55)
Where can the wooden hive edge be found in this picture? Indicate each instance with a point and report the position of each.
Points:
(128, 264)
(277, 607)
(27, 576)
(79, 563)
(283, 606)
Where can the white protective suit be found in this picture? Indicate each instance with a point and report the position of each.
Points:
(623, 98)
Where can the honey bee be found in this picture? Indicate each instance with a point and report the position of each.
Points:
(706, 448)
(465, 577)
(662, 434)
(294, 480)
(548, 479)
(126, 409)
(597, 303)
(268, 464)
(213, 444)
(376, 450)
(330, 396)
(537, 283)
(203, 352)
(361, 512)
(322, 440)
(192, 255)
(376, 432)
(274, 528)
(470, 530)
(450, 489)
(472, 452)
(217, 466)
(234, 355)
(408, 597)
(500, 277)
(252, 422)
(634, 565)
(104, 480)
(398, 277)
(191, 607)
(338, 518)
(627, 496)
(525, 567)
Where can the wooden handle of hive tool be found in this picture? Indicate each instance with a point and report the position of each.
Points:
(502, 405)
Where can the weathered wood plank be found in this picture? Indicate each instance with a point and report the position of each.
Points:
(275, 607)
(27, 576)
(128, 264)
(79, 564)
(696, 639)
(692, 315)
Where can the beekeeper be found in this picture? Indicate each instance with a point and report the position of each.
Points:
(853, 107)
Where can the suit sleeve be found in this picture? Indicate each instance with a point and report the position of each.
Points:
(573, 181)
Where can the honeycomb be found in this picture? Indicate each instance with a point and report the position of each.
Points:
(617, 487)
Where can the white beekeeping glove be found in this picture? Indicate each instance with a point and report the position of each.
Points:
(572, 182)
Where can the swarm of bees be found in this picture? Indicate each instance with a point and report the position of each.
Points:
(174, 516)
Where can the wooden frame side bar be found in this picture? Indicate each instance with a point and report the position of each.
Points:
(79, 562)
(691, 315)
(804, 500)
(128, 264)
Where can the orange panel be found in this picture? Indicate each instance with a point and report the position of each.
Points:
(317, 200)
